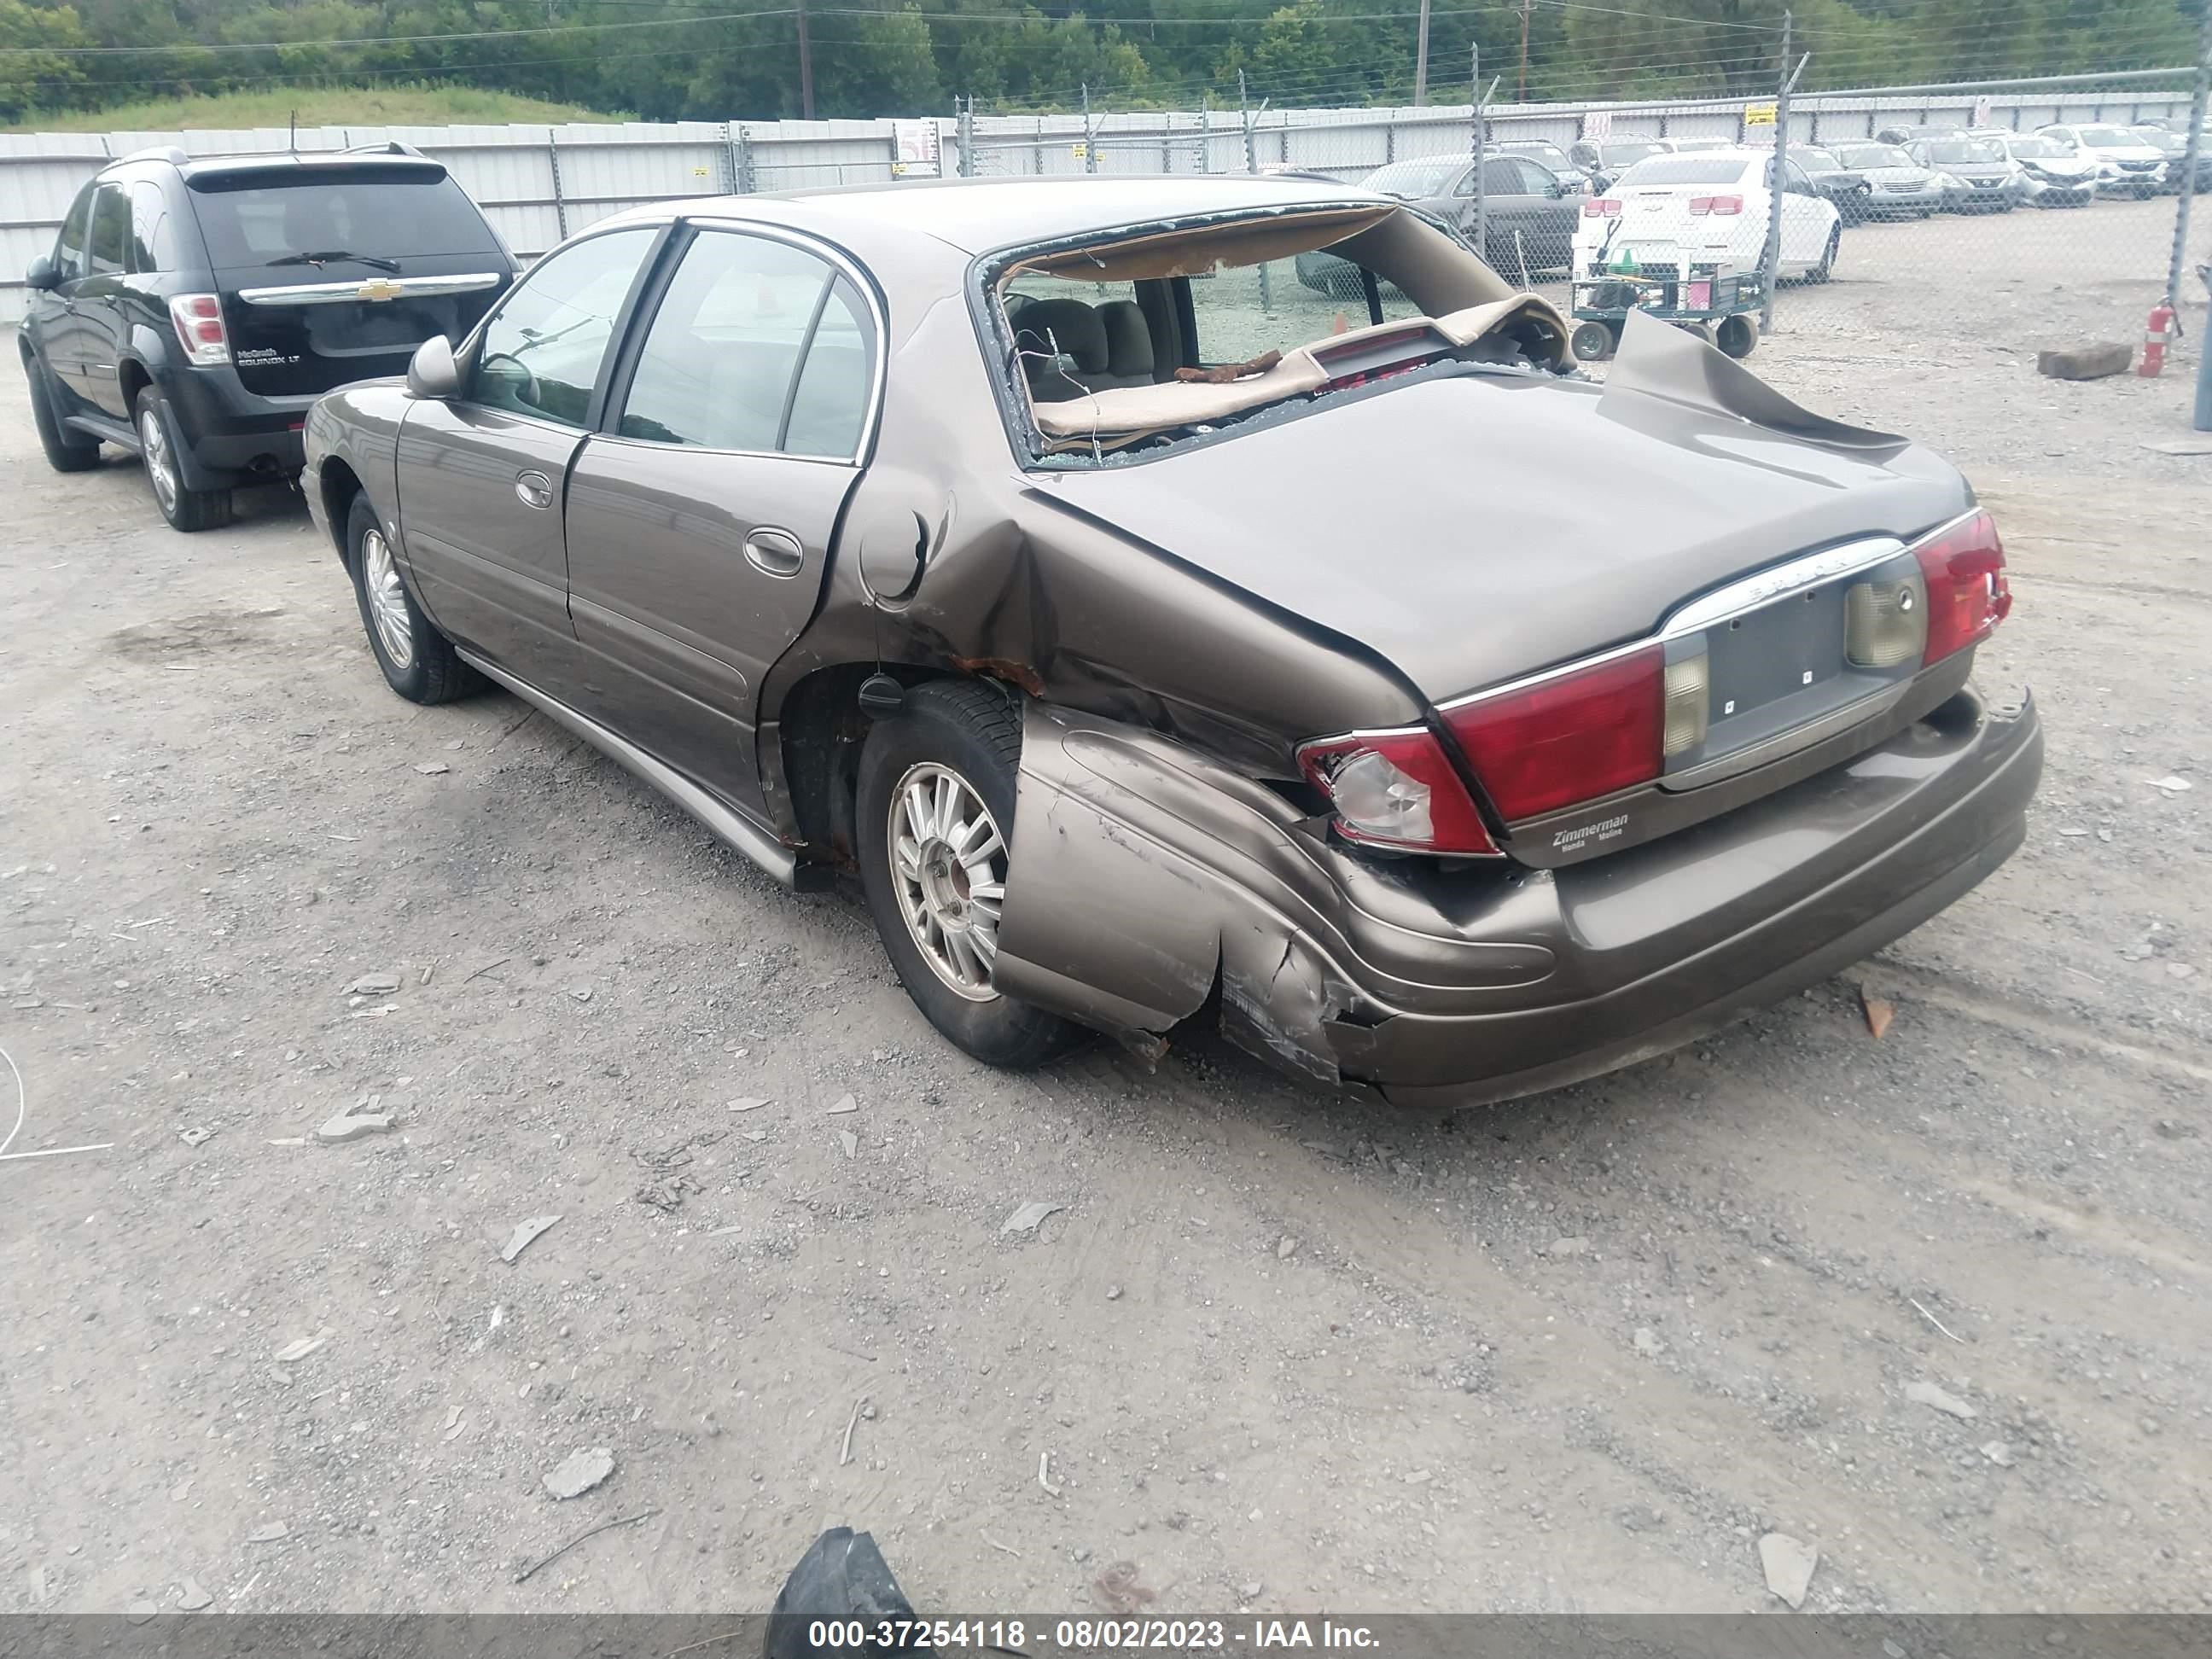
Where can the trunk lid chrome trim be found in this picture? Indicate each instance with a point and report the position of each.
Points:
(369, 289)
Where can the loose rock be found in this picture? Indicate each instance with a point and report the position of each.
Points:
(1787, 1564)
(1029, 1218)
(1567, 1247)
(850, 1142)
(1998, 1453)
(525, 1231)
(1927, 1394)
(373, 985)
(2085, 362)
(1286, 1247)
(352, 1125)
(579, 1472)
(275, 1532)
(845, 1103)
(191, 1598)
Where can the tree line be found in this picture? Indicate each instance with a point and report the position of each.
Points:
(709, 59)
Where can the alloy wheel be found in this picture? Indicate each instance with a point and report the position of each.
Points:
(949, 871)
(160, 464)
(387, 600)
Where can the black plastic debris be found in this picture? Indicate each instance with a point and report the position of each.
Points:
(843, 1576)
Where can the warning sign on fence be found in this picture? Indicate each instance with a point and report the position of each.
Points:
(917, 149)
(1759, 115)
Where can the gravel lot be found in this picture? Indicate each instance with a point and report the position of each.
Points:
(1579, 1352)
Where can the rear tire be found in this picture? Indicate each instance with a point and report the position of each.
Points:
(66, 450)
(159, 445)
(1826, 268)
(1735, 336)
(418, 661)
(929, 888)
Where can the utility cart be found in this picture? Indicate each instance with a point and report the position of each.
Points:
(1714, 299)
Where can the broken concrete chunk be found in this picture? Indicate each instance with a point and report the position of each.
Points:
(292, 1353)
(748, 1103)
(373, 985)
(1787, 1564)
(142, 1613)
(579, 1472)
(352, 1125)
(1028, 1218)
(525, 1231)
(2085, 362)
(1927, 1394)
(190, 1597)
(194, 1137)
(275, 1533)
(847, 1103)
(850, 1142)
(1998, 1453)
(431, 769)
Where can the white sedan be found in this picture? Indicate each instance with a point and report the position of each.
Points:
(1704, 208)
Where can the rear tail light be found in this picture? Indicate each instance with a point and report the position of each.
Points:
(198, 319)
(1569, 737)
(1600, 207)
(1396, 789)
(1722, 205)
(1964, 565)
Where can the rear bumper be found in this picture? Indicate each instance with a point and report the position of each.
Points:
(1147, 877)
(233, 435)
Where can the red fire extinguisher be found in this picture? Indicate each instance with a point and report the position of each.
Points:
(2155, 337)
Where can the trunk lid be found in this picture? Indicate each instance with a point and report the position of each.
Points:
(1475, 530)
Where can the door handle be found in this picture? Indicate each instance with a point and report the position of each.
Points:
(774, 552)
(534, 489)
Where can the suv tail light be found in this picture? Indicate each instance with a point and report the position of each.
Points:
(198, 319)
(1396, 789)
(1725, 206)
(1600, 207)
(1964, 564)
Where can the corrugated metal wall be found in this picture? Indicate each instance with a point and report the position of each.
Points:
(538, 184)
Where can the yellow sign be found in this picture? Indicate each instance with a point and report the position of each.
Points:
(1080, 152)
(1759, 115)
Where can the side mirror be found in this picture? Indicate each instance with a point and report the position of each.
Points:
(41, 277)
(431, 374)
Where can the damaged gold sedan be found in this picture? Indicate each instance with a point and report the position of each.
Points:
(1159, 646)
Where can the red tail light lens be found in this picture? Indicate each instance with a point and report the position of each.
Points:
(1600, 207)
(1571, 737)
(1964, 563)
(199, 320)
(1396, 789)
(1725, 206)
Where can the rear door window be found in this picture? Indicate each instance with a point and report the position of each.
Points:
(255, 216)
(152, 234)
(544, 352)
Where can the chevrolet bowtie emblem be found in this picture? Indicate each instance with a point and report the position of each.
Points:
(379, 287)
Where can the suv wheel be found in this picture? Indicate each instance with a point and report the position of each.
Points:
(418, 661)
(66, 450)
(185, 509)
(936, 807)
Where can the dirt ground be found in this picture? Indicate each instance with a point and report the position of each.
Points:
(1575, 1353)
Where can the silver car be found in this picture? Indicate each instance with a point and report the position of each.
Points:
(1898, 186)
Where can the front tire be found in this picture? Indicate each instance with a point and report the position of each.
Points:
(936, 815)
(160, 447)
(66, 450)
(418, 661)
(1826, 268)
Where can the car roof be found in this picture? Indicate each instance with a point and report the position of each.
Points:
(976, 216)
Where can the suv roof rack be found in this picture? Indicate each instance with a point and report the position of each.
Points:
(389, 147)
(171, 153)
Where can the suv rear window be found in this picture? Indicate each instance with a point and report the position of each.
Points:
(253, 216)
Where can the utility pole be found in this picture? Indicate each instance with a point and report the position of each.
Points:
(1521, 86)
(1421, 60)
(806, 66)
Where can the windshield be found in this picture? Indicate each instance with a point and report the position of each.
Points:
(2111, 137)
(1685, 170)
(1630, 152)
(2158, 137)
(1430, 177)
(1816, 160)
(2037, 149)
(255, 218)
(1952, 152)
(1873, 156)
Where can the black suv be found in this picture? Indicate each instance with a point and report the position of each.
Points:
(192, 309)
